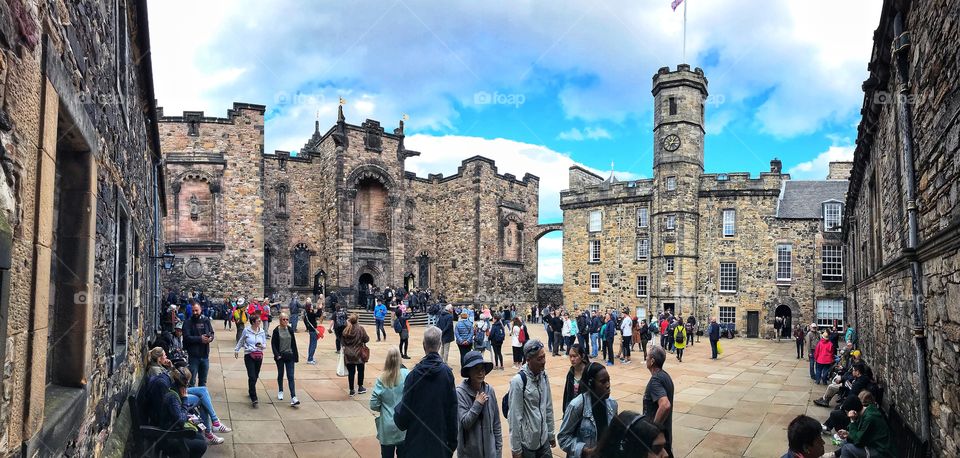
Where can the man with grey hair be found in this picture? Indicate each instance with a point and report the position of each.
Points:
(531, 406)
(658, 397)
(428, 409)
(445, 323)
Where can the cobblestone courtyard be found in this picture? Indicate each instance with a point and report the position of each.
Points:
(737, 406)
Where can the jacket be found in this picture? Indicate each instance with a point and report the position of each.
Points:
(353, 342)
(428, 409)
(870, 430)
(249, 340)
(464, 331)
(192, 332)
(678, 331)
(556, 324)
(824, 352)
(811, 342)
(445, 323)
(479, 434)
(385, 400)
(531, 411)
(275, 344)
(610, 331)
(579, 429)
(380, 312)
(714, 331)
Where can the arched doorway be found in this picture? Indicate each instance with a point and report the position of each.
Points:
(363, 286)
(784, 312)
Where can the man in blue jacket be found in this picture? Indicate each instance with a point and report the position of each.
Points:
(428, 410)
(197, 335)
(445, 324)
(714, 333)
(380, 314)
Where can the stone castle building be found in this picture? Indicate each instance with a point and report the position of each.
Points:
(81, 197)
(339, 215)
(902, 230)
(743, 249)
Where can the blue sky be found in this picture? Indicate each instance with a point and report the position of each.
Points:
(536, 86)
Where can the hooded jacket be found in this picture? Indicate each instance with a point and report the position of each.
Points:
(811, 342)
(479, 434)
(531, 411)
(428, 410)
(445, 323)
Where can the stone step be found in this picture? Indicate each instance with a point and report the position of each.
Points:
(366, 318)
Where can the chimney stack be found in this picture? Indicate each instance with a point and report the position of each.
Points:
(776, 166)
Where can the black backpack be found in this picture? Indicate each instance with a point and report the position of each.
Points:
(505, 403)
(497, 333)
(340, 319)
(680, 336)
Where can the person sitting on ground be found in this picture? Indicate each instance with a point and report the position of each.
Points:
(863, 379)
(632, 435)
(868, 433)
(197, 396)
(171, 414)
(804, 438)
(842, 382)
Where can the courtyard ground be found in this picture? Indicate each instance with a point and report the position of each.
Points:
(739, 405)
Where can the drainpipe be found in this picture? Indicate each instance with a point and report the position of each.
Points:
(899, 48)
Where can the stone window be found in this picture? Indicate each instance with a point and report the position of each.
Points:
(831, 259)
(643, 248)
(829, 311)
(301, 266)
(672, 102)
(784, 262)
(728, 315)
(643, 216)
(423, 271)
(594, 251)
(729, 222)
(832, 213)
(671, 222)
(510, 241)
(282, 199)
(671, 183)
(641, 286)
(596, 220)
(120, 301)
(267, 269)
(728, 277)
(669, 264)
(594, 282)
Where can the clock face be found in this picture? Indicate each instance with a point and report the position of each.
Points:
(671, 142)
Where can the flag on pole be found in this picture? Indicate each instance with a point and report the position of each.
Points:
(675, 4)
(343, 101)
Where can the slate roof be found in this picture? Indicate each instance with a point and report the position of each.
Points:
(803, 199)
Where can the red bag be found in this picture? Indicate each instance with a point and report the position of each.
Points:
(320, 331)
(523, 335)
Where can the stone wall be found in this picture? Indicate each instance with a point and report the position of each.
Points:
(877, 231)
(549, 294)
(80, 198)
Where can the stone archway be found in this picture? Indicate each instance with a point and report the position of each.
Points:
(784, 313)
(782, 306)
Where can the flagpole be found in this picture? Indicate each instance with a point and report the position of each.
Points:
(685, 30)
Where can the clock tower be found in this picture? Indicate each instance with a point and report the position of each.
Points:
(678, 133)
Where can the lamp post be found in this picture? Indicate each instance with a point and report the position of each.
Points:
(168, 259)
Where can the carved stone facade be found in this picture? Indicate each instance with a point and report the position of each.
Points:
(903, 227)
(702, 244)
(342, 213)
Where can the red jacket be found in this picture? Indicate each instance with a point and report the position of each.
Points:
(663, 326)
(823, 354)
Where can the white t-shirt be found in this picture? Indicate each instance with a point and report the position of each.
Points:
(626, 326)
(515, 339)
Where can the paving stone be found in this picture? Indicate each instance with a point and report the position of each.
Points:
(715, 444)
(318, 430)
(245, 411)
(737, 428)
(271, 450)
(259, 432)
(327, 449)
(354, 427)
(337, 409)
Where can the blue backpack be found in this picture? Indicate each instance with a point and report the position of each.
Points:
(497, 334)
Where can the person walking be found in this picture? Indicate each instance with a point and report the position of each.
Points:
(387, 393)
(481, 335)
(713, 332)
(445, 324)
(626, 333)
(798, 338)
(464, 334)
(355, 352)
(284, 346)
(589, 415)
(240, 317)
(380, 314)
(644, 337)
(530, 413)
(777, 327)
(658, 396)
(340, 319)
(311, 314)
(810, 343)
(571, 387)
(428, 409)
(569, 330)
(583, 330)
(663, 332)
(498, 334)
(403, 322)
(197, 335)
(253, 341)
(516, 343)
(680, 340)
(295, 309)
(478, 433)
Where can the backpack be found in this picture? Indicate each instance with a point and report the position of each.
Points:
(340, 319)
(479, 337)
(680, 336)
(434, 309)
(396, 325)
(505, 403)
(522, 338)
(497, 334)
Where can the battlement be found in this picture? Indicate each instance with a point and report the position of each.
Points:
(607, 192)
(198, 116)
(436, 178)
(741, 181)
(682, 76)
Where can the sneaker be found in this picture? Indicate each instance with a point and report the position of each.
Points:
(820, 402)
(213, 439)
(312, 362)
(362, 390)
(352, 393)
(280, 395)
(404, 356)
(294, 401)
(826, 430)
(219, 427)
(609, 363)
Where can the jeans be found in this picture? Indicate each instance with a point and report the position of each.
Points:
(253, 373)
(568, 341)
(294, 319)
(542, 452)
(799, 349)
(550, 342)
(445, 351)
(196, 446)
(199, 396)
(608, 351)
(355, 369)
(813, 368)
(464, 349)
(288, 365)
(594, 344)
(339, 333)
(849, 450)
(643, 347)
(497, 354)
(626, 346)
(313, 344)
(557, 343)
(380, 329)
(391, 451)
(584, 341)
(404, 346)
(199, 366)
(713, 349)
(823, 372)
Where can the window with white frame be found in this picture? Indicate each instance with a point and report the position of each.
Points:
(728, 277)
(784, 262)
(596, 221)
(641, 286)
(728, 315)
(669, 261)
(643, 217)
(594, 251)
(829, 311)
(643, 248)
(831, 263)
(832, 213)
(671, 183)
(729, 222)
(671, 222)
(594, 282)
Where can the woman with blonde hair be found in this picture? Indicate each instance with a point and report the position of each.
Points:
(355, 351)
(284, 346)
(387, 393)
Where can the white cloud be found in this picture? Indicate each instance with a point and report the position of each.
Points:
(550, 264)
(819, 167)
(589, 133)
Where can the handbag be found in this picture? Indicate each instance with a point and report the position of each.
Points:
(364, 353)
(256, 354)
(341, 367)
